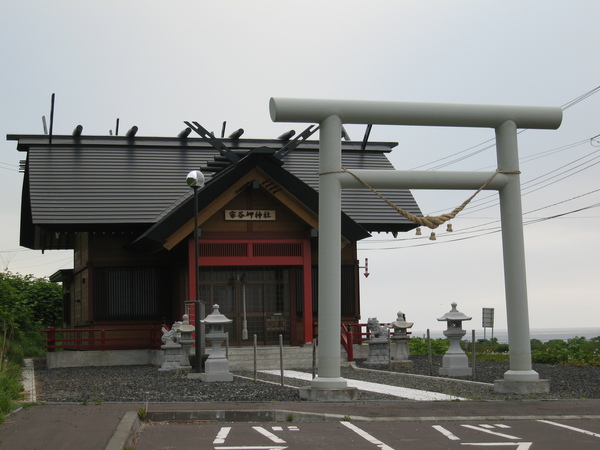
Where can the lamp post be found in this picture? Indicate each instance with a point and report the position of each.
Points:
(195, 180)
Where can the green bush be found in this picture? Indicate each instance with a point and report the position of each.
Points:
(418, 346)
(577, 351)
(27, 304)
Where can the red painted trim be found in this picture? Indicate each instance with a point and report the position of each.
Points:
(191, 272)
(251, 236)
(251, 260)
(271, 240)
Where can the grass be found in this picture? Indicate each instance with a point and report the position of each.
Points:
(11, 360)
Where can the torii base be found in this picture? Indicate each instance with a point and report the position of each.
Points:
(522, 387)
(328, 395)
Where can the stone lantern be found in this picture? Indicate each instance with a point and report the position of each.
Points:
(216, 367)
(186, 330)
(400, 338)
(455, 362)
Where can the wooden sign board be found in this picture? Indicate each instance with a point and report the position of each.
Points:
(250, 214)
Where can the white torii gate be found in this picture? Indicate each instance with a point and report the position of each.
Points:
(331, 114)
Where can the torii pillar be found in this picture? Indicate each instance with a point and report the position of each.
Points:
(505, 120)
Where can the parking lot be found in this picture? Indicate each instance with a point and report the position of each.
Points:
(387, 435)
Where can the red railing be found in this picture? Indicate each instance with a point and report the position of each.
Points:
(347, 341)
(356, 333)
(148, 337)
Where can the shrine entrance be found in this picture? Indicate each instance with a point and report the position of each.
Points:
(260, 295)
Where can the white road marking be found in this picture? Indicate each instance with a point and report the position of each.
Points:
(519, 445)
(251, 447)
(367, 436)
(507, 436)
(485, 425)
(277, 428)
(269, 435)
(221, 435)
(293, 428)
(446, 433)
(412, 394)
(579, 430)
(501, 425)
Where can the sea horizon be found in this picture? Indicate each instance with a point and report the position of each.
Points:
(542, 334)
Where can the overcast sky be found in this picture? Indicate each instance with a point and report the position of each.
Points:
(155, 64)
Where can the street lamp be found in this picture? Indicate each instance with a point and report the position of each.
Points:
(195, 180)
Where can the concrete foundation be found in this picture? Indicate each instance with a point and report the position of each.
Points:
(328, 395)
(103, 358)
(522, 387)
(240, 358)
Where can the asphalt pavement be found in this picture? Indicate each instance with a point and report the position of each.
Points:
(115, 425)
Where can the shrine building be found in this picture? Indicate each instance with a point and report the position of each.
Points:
(121, 203)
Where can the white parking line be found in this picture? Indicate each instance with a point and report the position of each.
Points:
(446, 433)
(251, 447)
(269, 435)
(367, 436)
(579, 430)
(484, 430)
(519, 445)
(222, 435)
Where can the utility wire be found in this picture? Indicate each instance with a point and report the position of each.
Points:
(488, 232)
(478, 204)
(564, 107)
(477, 228)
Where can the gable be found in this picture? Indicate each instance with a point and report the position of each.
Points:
(253, 191)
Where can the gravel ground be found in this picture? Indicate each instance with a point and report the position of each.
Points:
(140, 383)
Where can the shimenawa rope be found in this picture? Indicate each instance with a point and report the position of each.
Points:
(431, 222)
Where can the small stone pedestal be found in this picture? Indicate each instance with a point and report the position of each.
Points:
(216, 367)
(379, 346)
(379, 353)
(171, 350)
(455, 362)
(172, 358)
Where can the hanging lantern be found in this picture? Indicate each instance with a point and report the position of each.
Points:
(449, 228)
(432, 237)
(418, 231)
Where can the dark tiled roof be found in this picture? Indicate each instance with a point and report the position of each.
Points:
(105, 181)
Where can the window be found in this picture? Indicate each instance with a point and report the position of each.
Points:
(125, 293)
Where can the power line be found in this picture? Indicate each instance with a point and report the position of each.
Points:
(491, 199)
(564, 107)
(477, 228)
(491, 231)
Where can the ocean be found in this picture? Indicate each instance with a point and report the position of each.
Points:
(543, 334)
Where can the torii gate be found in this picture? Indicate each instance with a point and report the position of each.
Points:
(331, 114)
